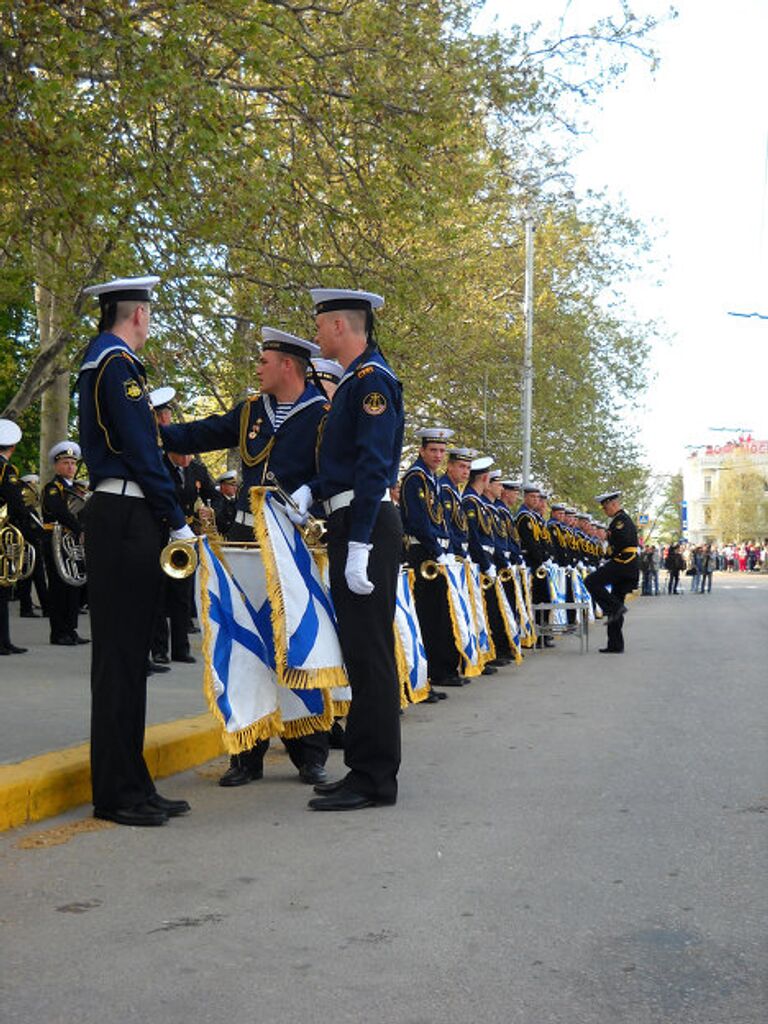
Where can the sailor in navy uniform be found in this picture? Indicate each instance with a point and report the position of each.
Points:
(226, 504)
(427, 539)
(492, 498)
(328, 372)
(510, 499)
(17, 515)
(358, 464)
(480, 525)
(132, 506)
(533, 544)
(621, 570)
(63, 598)
(451, 485)
(277, 433)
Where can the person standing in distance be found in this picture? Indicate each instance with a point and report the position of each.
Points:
(621, 570)
(133, 505)
(358, 464)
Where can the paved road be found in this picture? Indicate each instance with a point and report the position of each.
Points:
(579, 840)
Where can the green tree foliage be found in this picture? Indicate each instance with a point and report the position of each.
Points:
(246, 150)
(669, 525)
(739, 507)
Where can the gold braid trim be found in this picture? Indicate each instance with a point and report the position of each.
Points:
(407, 693)
(312, 723)
(292, 678)
(245, 418)
(470, 670)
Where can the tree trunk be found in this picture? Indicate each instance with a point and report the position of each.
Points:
(55, 403)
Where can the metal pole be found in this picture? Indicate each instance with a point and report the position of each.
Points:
(528, 351)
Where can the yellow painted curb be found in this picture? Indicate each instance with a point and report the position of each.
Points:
(44, 786)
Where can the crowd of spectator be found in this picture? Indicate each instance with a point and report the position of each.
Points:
(698, 563)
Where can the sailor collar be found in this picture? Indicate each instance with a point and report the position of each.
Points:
(355, 368)
(304, 400)
(103, 346)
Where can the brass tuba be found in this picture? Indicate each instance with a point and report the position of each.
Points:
(15, 562)
(67, 549)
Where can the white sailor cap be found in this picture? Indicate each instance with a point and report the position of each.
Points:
(495, 474)
(608, 496)
(557, 506)
(31, 478)
(280, 341)
(326, 300)
(10, 433)
(228, 477)
(461, 454)
(582, 515)
(124, 289)
(531, 489)
(481, 465)
(328, 369)
(437, 434)
(161, 397)
(64, 450)
(512, 485)
(570, 511)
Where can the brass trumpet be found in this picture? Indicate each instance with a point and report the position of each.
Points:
(314, 530)
(486, 582)
(541, 573)
(179, 559)
(429, 569)
(506, 574)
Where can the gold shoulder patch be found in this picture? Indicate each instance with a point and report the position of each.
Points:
(364, 371)
(374, 403)
(619, 525)
(52, 489)
(133, 390)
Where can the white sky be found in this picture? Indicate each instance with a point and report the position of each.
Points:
(687, 149)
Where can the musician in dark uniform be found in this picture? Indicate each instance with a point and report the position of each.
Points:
(534, 546)
(31, 495)
(277, 432)
(621, 570)
(132, 507)
(60, 500)
(481, 542)
(17, 515)
(427, 539)
(225, 505)
(358, 464)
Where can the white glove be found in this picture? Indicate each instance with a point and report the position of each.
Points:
(356, 570)
(184, 533)
(491, 572)
(445, 559)
(302, 496)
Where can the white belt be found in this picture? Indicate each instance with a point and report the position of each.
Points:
(344, 500)
(245, 518)
(114, 485)
(442, 542)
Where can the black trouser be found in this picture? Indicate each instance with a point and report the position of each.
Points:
(674, 581)
(63, 600)
(176, 599)
(623, 579)
(24, 588)
(431, 600)
(308, 750)
(496, 624)
(540, 595)
(123, 541)
(366, 632)
(5, 626)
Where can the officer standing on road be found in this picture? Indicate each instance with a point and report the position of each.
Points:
(132, 506)
(621, 571)
(358, 464)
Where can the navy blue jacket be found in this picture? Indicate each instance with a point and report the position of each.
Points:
(289, 451)
(118, 430)
(421, 509)
(362, 440)
(480, 523)
(455, 517)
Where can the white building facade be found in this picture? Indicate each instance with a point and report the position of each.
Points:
(701, 477)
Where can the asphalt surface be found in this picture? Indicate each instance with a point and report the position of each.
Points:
(580, 839)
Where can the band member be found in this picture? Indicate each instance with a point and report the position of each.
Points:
(510, 498)
(480, 526)
(129, 513)
(358, 464)
(31, 496)
(17, 515)
(62, 503)
(491, 496)
(329, 373)
(533, 544)
(226, 504)
(277, 432)
(451, 486)
(427, 539)
(621, 570)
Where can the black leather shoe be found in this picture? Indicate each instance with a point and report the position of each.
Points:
(489, 670)
(152, 668)
(313, 774)
(431, 698)
(29, 615)
(439, 694)
(344, 800)
(609, 650)
(161, 658)
(323, 788)
(451, 681)
(240, 775)
(64, 641)
(173, 808)
(12, 649)
(185, 659)
(141, 814)
(549, 642)
(500, 662)
(80, 639)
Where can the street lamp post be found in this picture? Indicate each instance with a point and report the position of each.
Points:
(528, 350)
